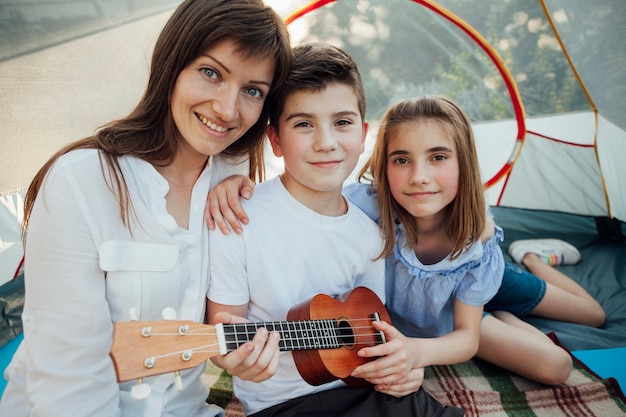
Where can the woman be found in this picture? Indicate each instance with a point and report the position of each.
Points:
(114, 227)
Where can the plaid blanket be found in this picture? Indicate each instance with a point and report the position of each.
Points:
(487, 391)
(484, 390)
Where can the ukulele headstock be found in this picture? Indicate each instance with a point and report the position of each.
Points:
(146, 348)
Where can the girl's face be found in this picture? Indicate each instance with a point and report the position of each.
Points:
(422, 168)
(218, 97)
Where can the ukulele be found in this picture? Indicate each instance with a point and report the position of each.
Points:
(323, 334)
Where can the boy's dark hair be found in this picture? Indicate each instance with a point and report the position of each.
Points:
(314, 67)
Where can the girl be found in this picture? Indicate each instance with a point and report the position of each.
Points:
(113, 230)
(443, 259)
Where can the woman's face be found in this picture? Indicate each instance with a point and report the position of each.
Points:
(218, 97)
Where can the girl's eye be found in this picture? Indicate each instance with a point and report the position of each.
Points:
(303, 124)
(209, 72)
(400, 161)
(255, 92)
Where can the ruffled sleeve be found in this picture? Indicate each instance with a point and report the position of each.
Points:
(364, 197)
(484, 276)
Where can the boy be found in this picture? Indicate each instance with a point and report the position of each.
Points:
(304, 238)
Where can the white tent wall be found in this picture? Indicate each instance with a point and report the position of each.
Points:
(63, 93)
(11, 250)
(59, 94)
(612, 157)
(565, 161)
(551, 175)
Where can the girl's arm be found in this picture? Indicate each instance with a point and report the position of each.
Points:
(399, 370)
(223, 206)
(460, 345)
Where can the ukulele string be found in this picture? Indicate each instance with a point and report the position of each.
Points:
(292, 332)
(208, 348)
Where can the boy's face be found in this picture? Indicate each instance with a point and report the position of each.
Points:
(321, 137)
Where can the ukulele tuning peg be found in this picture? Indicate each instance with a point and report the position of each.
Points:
(141, 391)
(168, 313)
(178, 381)
(133, 314)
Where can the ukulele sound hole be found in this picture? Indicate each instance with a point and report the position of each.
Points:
(346, 333)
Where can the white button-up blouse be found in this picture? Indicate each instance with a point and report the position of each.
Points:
(85, 269)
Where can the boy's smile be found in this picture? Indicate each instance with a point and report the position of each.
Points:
(320, 137)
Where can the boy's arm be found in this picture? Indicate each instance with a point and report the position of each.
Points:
(223, 206)
(256, 360)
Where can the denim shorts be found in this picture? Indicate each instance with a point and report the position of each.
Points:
(519, 293)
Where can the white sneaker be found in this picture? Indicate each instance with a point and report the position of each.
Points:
(552, 251)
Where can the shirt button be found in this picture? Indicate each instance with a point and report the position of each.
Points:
(196, 209)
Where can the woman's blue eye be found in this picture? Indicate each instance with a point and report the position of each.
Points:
(209, 72)
(255, 92)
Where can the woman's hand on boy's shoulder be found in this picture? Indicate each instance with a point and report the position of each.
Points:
(223, 206)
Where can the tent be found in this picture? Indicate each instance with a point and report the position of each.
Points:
(542, 80)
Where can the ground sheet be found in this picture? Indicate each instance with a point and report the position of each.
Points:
(487, 391)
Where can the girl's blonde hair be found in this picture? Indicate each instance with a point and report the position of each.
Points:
(465, 218)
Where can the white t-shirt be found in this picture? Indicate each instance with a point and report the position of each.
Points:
(287, 254)
(84, 270)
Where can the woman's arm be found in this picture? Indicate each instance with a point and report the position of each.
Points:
(67, 321)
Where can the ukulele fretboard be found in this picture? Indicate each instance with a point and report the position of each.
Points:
(301, 335)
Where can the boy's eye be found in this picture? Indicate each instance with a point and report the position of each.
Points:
(344, 122)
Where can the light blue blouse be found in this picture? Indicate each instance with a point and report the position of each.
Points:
(420, 298)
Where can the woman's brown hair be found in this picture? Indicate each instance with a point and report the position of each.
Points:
(465, 218)
(149, 132)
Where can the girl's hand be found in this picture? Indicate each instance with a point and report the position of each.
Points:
(223, 205)
(254, 361)
(405, 386)
(394, 363)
